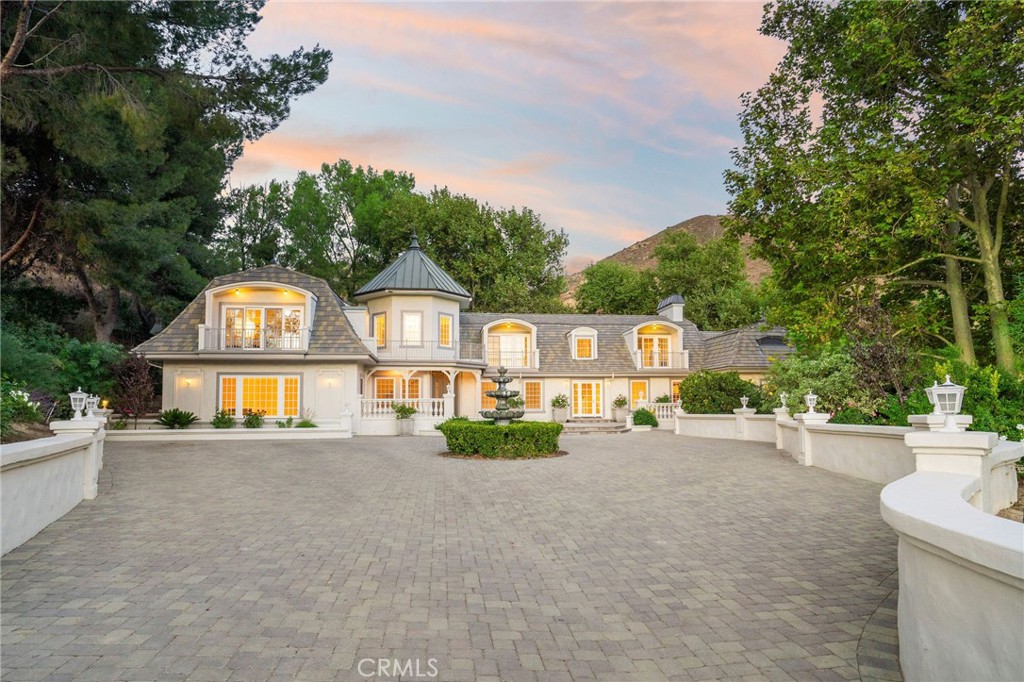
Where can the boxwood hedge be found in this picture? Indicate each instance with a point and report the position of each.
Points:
(518, 439)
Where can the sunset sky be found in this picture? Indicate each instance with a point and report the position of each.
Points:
(612, 121)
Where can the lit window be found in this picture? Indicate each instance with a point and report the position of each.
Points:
(380, 329)
(277, 396)
(412, 389)
(486, 402)
(584, 348)
(412, 329)
(444, 337)
(385, 388)
(263, 327)
(532, 395)
(675, 391)
(638, 392)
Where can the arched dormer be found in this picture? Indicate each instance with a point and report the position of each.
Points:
(258, 315)
(583, 343)
(657, 344)
(512, 343)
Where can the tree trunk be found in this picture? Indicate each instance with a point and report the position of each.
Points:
(104, 317)
(988, 247)
(958, 304)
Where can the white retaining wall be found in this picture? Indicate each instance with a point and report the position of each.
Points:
(44, 479)
(961, 604)
(872, 453)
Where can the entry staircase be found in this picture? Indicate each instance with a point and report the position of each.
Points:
(597, 426)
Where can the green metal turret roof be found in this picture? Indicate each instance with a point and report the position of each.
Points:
(414, 271)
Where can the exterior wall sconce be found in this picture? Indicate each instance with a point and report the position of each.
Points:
(947, 398)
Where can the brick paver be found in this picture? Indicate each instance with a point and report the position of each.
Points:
(636, 557)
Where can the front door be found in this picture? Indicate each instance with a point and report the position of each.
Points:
(586, 399)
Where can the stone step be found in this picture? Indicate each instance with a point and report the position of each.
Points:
(593, 426)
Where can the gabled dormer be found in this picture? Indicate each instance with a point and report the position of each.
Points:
(412, 308)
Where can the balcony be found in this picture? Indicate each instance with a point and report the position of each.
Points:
(517, 359)
(253, 339)
(657, 360)
(427, 350)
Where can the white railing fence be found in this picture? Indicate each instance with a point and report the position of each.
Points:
(383, 408)
(253, 338)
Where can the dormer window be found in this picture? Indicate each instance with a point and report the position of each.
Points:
(583, 342)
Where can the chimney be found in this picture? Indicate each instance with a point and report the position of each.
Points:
(672, 307)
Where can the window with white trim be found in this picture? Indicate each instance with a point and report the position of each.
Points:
(263, 327)
(583, 343)
(380, 329)
(384, 388)
(412, 389)
(532, 395)
(277, 395)
(412, 329)
(445, 324)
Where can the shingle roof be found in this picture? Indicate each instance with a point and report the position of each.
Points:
(414, 271)
(755, 346)
(331, 333)
(553, 340)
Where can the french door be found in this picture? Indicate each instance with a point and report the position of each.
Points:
(586, 399)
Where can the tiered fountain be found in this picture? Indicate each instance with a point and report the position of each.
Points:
(502, 414)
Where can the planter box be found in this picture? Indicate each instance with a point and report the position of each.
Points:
(406, 427)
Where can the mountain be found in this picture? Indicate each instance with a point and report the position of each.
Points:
(640, 255)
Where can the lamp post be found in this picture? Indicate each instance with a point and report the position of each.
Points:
(811, 400)
(947, 398)
(78, 402)
(90, 405)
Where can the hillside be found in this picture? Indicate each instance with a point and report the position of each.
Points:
(640, 255)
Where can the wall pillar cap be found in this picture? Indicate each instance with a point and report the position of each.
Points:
(812, 417)
(935, 422)
(744, 411)
(978, 441)
(83, 425)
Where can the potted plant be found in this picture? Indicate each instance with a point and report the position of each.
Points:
(560, 408)
(404, 413)
(620, 408)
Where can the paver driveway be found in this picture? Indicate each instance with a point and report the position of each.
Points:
(642, 556)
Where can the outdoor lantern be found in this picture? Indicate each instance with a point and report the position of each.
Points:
(104, 403)
(811, 400)
(90, 404)
(783, 397)
(78, 401)
(744, 400)
(947, 398)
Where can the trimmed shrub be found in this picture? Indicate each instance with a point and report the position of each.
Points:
(176, 419)
(644, 417)
(517, 440)
(403, 411)
(222, 419)
(253, 419)
(716, 393)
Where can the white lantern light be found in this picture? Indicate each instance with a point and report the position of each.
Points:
(90, 404)
(744, 400)
(811, 400)
(947, 398)
(78, 402)
(783, 397)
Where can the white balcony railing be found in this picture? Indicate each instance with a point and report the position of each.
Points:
(658, 360)
(663, 411)
(427, 350)
(384, 408)
(253, 339)
(514, 359)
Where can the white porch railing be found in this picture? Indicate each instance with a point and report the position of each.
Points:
(383, 408)
(514, 359)
(664, 411)
(658, 360)
(253, 339)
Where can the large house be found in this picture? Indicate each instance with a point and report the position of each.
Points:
(277, 340)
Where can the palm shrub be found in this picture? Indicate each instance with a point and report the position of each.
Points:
(707, 392)
(176, 419)
(644, 417)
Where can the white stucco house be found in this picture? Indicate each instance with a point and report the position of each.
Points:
(277, 340)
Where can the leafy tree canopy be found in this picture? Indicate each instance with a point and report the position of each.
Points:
(882, 161)
(120, 121)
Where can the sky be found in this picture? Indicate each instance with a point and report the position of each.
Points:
(612, 121)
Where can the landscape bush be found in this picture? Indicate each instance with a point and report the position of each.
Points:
(644, 417)
(253, 419)
(16, 406)
(222, 419)
(517, 440)
(176, 419)
(717, 393)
